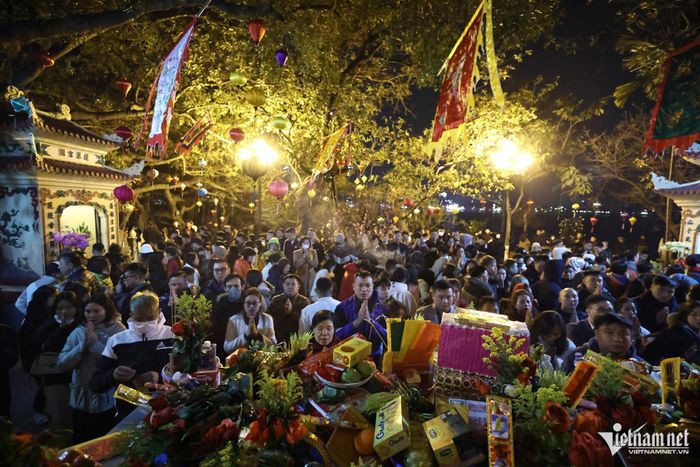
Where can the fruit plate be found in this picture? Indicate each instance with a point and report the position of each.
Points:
(322, 380)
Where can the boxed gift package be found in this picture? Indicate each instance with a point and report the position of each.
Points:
(391, 431)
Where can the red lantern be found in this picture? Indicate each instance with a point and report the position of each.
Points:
(45, 59)
(123, 86)
(432, 210)
(124, 193)
(256, 29)
(236, 134)
(594, 220)
(278, 188)
(123, 132)
(408, 202)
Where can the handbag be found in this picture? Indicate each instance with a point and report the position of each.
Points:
(46, 363)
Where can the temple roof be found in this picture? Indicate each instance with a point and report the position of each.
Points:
(58, 166)
(690, 188)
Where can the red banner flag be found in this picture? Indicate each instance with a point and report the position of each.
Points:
(456, 90)
(165, 87)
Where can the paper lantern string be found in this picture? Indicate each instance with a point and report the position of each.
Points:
(204, 7)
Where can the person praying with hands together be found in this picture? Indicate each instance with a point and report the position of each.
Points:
(252, 324)
(359, 313)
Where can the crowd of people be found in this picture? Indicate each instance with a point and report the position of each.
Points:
(92, 324)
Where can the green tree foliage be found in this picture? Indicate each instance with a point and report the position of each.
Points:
(651, 29)
(348, 62)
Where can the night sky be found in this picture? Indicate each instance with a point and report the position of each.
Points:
(590, 74)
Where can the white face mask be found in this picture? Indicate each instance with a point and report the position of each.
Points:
(305, 246)
(58, 319)
(142, 327)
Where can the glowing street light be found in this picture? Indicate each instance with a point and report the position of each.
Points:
(256, 159)
(510, 160)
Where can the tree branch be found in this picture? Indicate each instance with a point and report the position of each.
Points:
(31, 30)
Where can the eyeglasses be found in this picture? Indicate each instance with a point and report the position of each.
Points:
(220, 269)
(255, 303)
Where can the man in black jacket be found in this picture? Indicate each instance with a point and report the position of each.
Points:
(132, 281)
(135, 356)
(582, 331)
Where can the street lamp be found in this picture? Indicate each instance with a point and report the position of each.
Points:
(509, 160)
(256, 159)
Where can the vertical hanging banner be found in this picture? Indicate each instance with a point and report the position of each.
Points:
(456, 96)
(328, 150)
(675, 120)
(165, 87)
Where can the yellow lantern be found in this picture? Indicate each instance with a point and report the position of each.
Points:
(575, 206)
(256, 96)
(633, 220)
(199, 204)
(251, 205)
(395, 219)
(311, 193)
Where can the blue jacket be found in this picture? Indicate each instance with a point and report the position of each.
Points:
(346, 312)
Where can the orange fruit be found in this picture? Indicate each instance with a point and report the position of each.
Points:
(364, 442)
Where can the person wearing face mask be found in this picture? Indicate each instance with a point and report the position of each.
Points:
(137, 355)
(251, 325)
(93, 414)
(323, 331)
(305, 264)
(51, 337)
(227, 305)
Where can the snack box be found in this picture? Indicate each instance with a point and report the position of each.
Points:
(352, 352)
(450, 438)
(392, 433)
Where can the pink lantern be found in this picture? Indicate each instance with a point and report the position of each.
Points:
(123, 132)
(124, 193)
(236, 134)
(278, 188)
(123, 86)
(256, 30)
(408, 202)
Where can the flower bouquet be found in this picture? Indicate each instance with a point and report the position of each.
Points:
(690, 396)
(186, 426)
(277, 427)
(545, 430)
(191, 327)
(72, 239)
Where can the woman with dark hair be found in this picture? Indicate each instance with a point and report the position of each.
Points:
(50, 337)
(426, 279)
(546, 290)
(521, 306)
(323, 331)
(680, 340)
(252, 324)
(548, 329)
(93, 414)
(277, 273)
